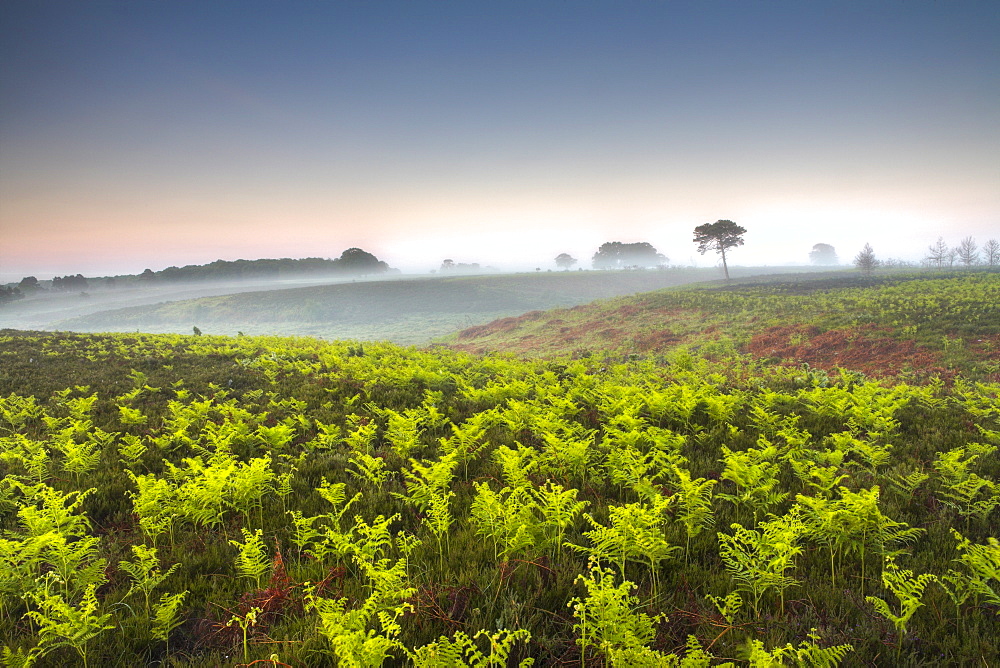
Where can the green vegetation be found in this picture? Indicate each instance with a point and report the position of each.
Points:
(203, 500)
(408, 311)
(905, 325)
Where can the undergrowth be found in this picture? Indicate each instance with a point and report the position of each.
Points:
(198, 501)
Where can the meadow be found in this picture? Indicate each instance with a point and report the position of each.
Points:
(911, 325)
(405, 310)
(204, 500)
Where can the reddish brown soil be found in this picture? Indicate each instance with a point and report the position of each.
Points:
(656, 341)
(986, 347)
(868, 349)
(501, 325)
(612, 329)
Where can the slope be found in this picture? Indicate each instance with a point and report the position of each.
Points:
(409, 311)
(915, 324)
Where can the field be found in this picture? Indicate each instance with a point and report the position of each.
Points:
(402, 310)
(903, 325)
(701, 499)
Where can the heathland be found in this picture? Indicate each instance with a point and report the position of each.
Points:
(704, 485)
(401, 309)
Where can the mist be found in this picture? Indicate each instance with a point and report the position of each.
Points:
(43, 310)
(402, 308)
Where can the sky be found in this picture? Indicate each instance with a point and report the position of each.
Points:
(144, 134)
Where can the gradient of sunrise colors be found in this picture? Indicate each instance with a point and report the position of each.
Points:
(147, 134)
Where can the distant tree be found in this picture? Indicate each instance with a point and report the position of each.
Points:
(968, 252)
(29, 284)
(69, 283)
(991, 253)
(823, 254)
(616, 255)
(197, 332)
(452, 267)
(353, 261)
(719, 236)
(565, 261)
(938, 254)
(9, 294)
(866, 260)
(357, 261)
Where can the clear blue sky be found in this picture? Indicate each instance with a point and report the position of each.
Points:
(146, 134)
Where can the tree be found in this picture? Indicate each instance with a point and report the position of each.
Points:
(9, 294)
(968, 252)
(823, 254)
(450, 266)
(616, 255)
(69, 283)
(357, 261)
(565, 261)
(938, 254)
(991, 253)
(719, 237)
(865, 260)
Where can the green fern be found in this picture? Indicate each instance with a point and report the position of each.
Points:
(807, 654)
(607, 616)
(61, 624)
(634, 533)
(694, 501)
(908, 590)
(145, 571)
(369, 469)
(252, 560)
(461, 651)
(166, 616)
(754, 472)
(759, 559)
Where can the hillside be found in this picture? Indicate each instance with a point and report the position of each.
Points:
(44, 310)
(194, 498)
(915, 324)
(409, 311)
(208, 501)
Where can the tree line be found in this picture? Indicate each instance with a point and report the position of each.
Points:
(720, 237)
(352, 262)
(967, 253)
(724, 235)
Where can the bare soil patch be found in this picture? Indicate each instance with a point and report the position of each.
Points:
(869, 349)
